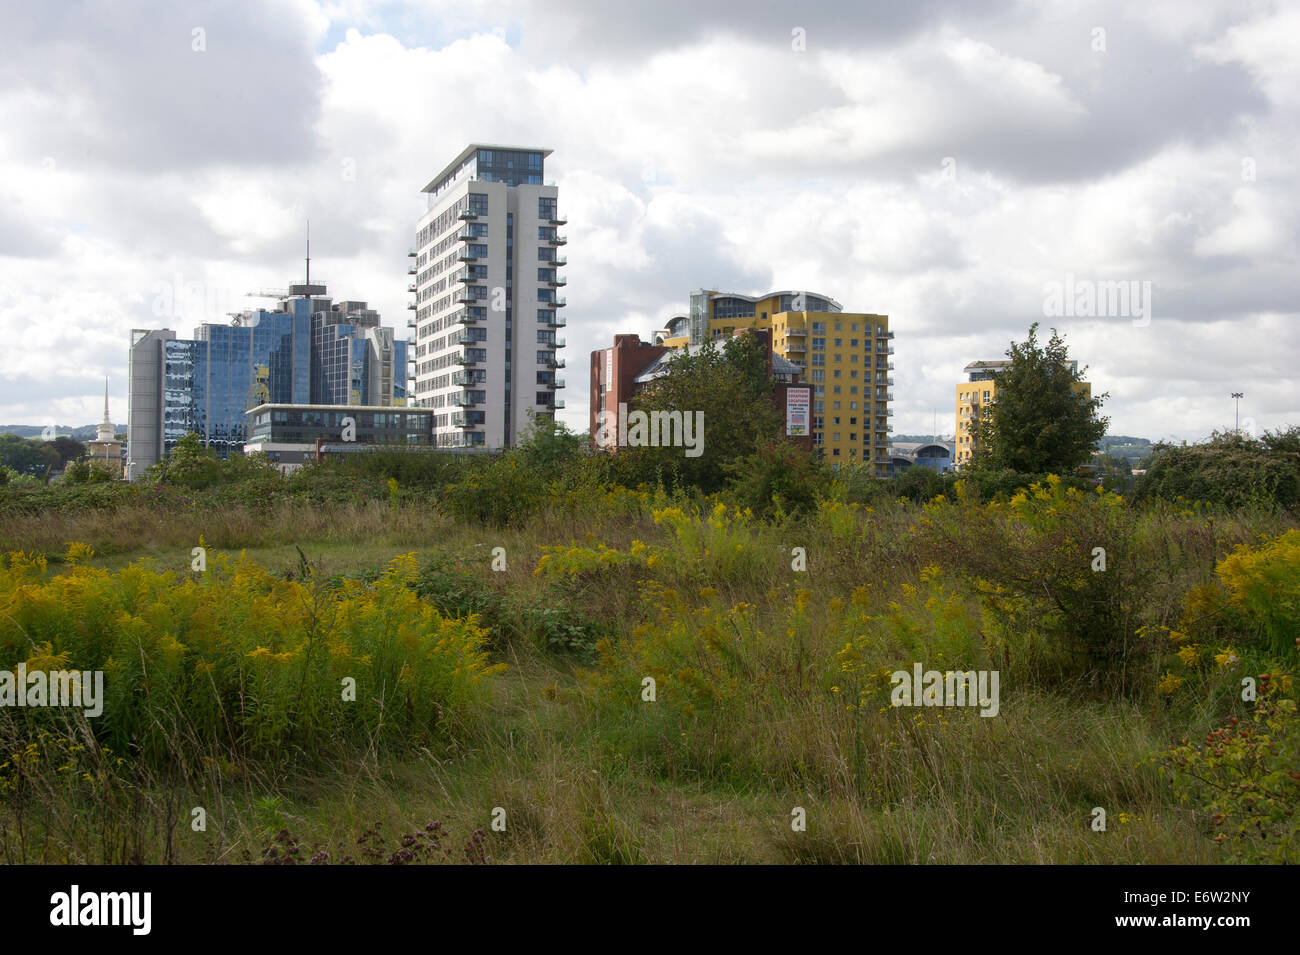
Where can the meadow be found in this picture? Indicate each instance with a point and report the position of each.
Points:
(550, 669)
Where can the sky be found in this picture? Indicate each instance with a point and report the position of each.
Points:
(966, 168)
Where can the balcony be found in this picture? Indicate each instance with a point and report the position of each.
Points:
(884, 334)
(557, 281)
(464, 378)
(468, 338)
(412, 253)
(558, 219)
(412, 271)
(466, 275)
(556, 321)
(467, 214)
(557, 240)
(462, 358)
(553, 362)
(796, 332)
(465, 421)
(555, 403)
(558, 383)
(411, 307)
(556, 343)
(411, 323)
(467, 235)
(556, 262)
(467, 295)
(795, 347)
(460, 400)
(885, 350)
(464, 317)
(411, 288)
(558, 303)
(465, 255)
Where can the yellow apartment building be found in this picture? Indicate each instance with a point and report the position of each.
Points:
(846, 357)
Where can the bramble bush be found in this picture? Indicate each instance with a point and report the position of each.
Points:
(1245, 777)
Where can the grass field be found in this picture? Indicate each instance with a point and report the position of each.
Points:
(771, 736)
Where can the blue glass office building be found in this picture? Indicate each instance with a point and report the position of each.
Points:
(306, 351)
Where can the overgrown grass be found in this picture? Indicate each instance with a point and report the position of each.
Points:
(770, 644)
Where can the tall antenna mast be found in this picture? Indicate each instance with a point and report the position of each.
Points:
(309, 252)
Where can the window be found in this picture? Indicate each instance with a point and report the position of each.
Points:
(818, 375)
(836, 420)
(836, 406)
(546, 208)
(478, 203)
(819, 344)
(839, 342)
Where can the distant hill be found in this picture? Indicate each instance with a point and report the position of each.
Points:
(85, 432)
(1125, 446)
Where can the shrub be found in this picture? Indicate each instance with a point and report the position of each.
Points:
(1246, 777)
(244, 660)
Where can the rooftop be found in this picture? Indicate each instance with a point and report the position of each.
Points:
(469, 151)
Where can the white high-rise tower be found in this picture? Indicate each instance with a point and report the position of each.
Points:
(485, 280)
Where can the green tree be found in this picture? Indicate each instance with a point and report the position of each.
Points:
(548, 442)
(730, 385)
(27, 456)
(189, 463)
(1039, 421)
(68, 449)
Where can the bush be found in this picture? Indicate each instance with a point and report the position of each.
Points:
(244, 661)
(778, 478)
(1230, 470)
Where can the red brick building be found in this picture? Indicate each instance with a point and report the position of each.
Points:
(614, 372)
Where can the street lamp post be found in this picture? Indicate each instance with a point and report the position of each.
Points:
(1237, 396)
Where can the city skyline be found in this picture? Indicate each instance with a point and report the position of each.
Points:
(950, 168)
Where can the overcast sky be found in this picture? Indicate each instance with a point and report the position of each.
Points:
(940, 162)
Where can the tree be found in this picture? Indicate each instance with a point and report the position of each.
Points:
(730, 386)
(548, 442)
(27, 456)
(1039, 422)
(68, 449)
(189, 463)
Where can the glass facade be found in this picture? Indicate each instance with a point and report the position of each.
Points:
(513, 167)
(308, 352)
